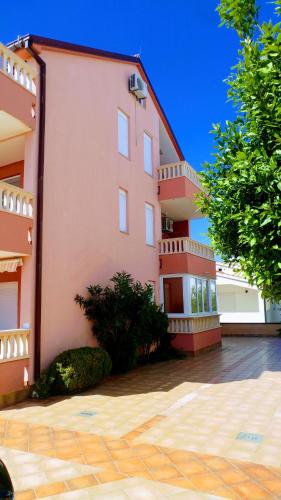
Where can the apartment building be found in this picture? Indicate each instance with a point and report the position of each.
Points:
(92, 181)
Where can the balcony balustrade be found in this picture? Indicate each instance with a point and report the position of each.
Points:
(185, 245)
(179, 169)
(17, 69)
(14, 345)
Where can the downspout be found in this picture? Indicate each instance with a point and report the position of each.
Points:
(40, 194)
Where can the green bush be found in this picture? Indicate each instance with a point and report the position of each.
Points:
(126, 321)
(73, 371)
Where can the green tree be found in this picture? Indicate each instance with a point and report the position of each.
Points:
(126, 321)
(243, 184)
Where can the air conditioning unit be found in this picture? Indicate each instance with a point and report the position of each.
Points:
(137, 86)
(167, 225)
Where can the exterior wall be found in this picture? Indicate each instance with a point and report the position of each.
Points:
(180, 187)
(14, 233)
(83, 171)
(12, 375)
(250, 329)
(187, 263)
(195, 343)
(17, 101)
(238, 302)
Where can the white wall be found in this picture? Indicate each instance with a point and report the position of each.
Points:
(238, 302)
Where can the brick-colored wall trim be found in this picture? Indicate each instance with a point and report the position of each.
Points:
(250, 329)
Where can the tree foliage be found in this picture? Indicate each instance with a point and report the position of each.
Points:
(244, 181)
(127, 323)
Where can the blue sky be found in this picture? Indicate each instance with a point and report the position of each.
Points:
(186, 54)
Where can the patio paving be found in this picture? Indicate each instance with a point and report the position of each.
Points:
(206, 427)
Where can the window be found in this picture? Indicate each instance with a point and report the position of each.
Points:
(123, 224)
(202, 295)
(205, 295)
(149, 224)
(147, 151)
(123, 133)
(213, 296)
(193, 295)
(173, 295)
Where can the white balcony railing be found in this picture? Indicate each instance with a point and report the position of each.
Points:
(179, 169)
(17, 69)
(185, 245)
(16, 200)
(194, 325)
(14, 344)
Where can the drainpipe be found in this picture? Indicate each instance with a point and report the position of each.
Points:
(40, 194)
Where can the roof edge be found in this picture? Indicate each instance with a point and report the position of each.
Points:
(30, 39)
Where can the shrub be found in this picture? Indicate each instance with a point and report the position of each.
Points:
(126, 320)
(73, 371)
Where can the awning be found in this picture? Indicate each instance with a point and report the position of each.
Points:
(10, 265)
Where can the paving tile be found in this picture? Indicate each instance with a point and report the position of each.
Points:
(25, 495)
(50, 489)
(164, 472)
(194, 443)
(251, 490)
(205, 482)
(232, 476)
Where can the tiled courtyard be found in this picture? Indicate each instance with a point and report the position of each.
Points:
(199, 428)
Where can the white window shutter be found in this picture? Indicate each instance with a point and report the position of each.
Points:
(8, 305)
(147, 150)
(149, 224)
(123, 225)
(123, 134)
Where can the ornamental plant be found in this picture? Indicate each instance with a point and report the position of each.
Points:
(243, 184)
(126, 322)
(73, 371)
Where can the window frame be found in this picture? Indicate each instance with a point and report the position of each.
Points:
(187, 295)
(122, 114)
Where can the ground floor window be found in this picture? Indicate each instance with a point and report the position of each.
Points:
(203, 296)
(173, 295)
(189, 295)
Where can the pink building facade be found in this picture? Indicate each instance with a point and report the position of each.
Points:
(92, 181)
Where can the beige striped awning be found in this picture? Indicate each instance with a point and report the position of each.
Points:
(10, 265)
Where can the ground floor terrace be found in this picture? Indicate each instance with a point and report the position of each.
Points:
(206, 427)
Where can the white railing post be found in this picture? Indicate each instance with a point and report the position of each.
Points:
(185, 245)
(17, 69)
(15, 200)
(179, 169)
(14, 344)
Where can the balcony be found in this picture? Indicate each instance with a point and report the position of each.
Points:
(194, 324)
(16, 220)
(183, 255)
(178, 186)
(17, 95)
(197, 334)
(14, 362)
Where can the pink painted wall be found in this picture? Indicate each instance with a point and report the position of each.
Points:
(196, 342)
(180, 187)
(12, 375)
(16, 100)
(14, 233)
(187, 263)
(83, 171)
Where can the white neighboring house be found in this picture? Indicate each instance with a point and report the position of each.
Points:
(239, 302)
